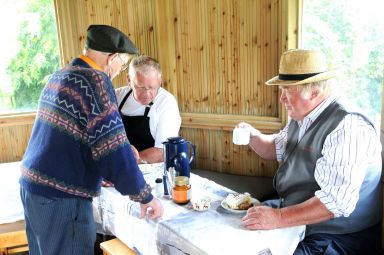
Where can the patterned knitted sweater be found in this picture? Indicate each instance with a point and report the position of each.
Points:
(78, 138)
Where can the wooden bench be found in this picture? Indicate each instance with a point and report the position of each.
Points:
(116, 247)
(259, 187)
(13, 238)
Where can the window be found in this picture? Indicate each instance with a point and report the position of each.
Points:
(29, 52)
(350, 33)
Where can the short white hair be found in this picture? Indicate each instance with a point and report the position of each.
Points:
(323, 87)
(144, 65)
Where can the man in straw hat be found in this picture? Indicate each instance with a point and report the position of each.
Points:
(78, 138)
(330, 164)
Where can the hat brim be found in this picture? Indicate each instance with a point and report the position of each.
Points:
(319, 77)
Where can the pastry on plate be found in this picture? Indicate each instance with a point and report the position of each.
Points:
(241, 201)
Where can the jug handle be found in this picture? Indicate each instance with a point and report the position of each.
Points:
(193, 152)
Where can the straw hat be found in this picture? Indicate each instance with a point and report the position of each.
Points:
(301, 67)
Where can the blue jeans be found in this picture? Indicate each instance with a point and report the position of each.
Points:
(58, 226)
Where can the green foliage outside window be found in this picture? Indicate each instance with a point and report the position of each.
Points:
(350, 33)
(37, 58)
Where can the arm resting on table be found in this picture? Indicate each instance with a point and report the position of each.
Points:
(309, 212)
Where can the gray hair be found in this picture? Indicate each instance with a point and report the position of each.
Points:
(144, 65)
(323, 87)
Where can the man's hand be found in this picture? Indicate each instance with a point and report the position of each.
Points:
(253, 131)
(262, 217)
(105, 183)
(154, 209)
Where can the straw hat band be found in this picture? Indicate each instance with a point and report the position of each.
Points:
(302, 67)
(296, 77)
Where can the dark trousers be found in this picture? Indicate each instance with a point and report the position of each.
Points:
(365, 242)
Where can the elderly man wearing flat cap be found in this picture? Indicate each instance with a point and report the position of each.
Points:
(79, 138)
(330, 164)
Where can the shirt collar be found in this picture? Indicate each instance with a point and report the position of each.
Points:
(90, 62)
(312, 116)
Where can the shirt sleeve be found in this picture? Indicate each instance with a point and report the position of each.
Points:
(168, 121)
(120, 93)
(347, 152)
(281, 142)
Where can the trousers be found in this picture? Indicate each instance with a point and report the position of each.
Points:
(58, 226)
(363, 242)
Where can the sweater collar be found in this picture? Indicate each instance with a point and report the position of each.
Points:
(90, 62)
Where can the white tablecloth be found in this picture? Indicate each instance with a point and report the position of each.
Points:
(184, 231)
(11, 207)
(180, 231)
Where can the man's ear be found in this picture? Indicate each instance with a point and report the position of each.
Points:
(314, 94)
(110, 58)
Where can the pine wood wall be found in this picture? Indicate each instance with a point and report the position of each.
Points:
(215, 55)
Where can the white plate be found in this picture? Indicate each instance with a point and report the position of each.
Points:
(254, 201)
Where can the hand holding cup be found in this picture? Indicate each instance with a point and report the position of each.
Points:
(241, 135)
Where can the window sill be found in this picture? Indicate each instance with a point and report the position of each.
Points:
(17, 119)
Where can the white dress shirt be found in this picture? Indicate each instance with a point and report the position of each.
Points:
(164, 115)
(347, 151)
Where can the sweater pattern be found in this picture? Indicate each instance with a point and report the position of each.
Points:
(78, 112)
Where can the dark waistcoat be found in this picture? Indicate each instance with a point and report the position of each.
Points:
(295, 181)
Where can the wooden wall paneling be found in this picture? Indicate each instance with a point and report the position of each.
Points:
(259, 57)
(66, 20)
(265, 54)
(230, 89)
(5, 149)
(203, 148)
(14, 142)
(215, 55)
(227, 122)
(15, 131)
(165, 19)
(215, 150)
(137, 18)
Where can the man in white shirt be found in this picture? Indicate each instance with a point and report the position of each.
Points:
(149, 112)
(330, 164)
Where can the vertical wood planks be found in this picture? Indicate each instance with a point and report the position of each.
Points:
(216, 56)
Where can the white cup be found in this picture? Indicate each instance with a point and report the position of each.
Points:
(241, 136)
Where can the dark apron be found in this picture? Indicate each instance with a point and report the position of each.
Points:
(137, 127)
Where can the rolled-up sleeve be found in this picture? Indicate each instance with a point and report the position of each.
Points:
(347, 152)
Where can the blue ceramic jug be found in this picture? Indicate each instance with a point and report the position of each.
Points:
(176, 155)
